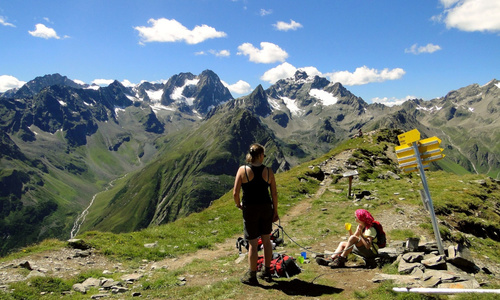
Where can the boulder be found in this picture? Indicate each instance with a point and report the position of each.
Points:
(461, 257)
(78, 244)
(407, 268)
(435, 262)
(413, 257)
(79, 288)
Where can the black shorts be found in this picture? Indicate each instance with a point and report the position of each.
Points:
(257, 220)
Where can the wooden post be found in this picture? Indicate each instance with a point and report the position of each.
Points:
(350, 187)
(350, 175)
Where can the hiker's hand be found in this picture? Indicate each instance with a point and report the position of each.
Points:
(276, 217)
(347, 226)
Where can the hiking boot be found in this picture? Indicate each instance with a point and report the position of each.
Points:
(250, 278)
(323, 261)
(371, 263)
(265, 274)
(338, 262)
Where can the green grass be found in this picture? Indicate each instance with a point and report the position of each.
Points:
(45, 245)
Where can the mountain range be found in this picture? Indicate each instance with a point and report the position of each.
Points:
(148, 154)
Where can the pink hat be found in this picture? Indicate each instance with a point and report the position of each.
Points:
(364, 216)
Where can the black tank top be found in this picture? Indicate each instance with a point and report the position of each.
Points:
(256, 191)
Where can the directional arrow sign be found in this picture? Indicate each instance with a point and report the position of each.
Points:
(429, 144)
(404, 150)
(429, 149)
(409, 137)
(433, 158)
(414, 168)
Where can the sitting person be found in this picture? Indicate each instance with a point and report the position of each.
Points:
(362, 242)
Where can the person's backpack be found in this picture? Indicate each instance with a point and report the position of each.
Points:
(282, 265)
(381, 237)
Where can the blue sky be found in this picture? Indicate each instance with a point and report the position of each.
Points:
(383, 51)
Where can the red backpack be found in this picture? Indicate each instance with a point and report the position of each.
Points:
(282, 265)
(381, 237)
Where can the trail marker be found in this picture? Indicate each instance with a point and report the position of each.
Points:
(415, 155)
(350, 174)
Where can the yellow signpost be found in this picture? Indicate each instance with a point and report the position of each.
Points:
(428, 150)
(415, 155)
(409, 137)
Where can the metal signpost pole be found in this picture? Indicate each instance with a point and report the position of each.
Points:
(429, 199)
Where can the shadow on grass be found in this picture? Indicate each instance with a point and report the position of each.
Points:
(297, 287)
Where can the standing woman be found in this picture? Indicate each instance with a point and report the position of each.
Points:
(259, 211)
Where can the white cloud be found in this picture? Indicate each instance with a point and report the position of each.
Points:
(364, 75)
(269, 53)
(44, 32)
(103, 82)
(360, 76)
(79, 81)
(429, 48)
(200, 53)
(286, 70)
(311, 71)
(265, 12)
(448, 3)
(165, 30)
(127, 83)
(283, 26)
(471, 15)
(3, 21)
(8, 82)
(282, 71)
(241, 87)
(392, 101)
(222, 53)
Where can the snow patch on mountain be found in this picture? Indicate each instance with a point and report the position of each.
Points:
(131, 98)
(118, 110)
(497, 85)
(155, 96)
(292, 106)
(430, 109)
(156, 107)
(177, 93)
(275, 104)
(325, 97)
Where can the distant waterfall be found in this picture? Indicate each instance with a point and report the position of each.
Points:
(81, 218)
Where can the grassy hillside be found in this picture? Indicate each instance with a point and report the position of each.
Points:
(45, 187)
(195, 168)
(312, 218)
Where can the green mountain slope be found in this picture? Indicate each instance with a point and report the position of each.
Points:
(46, 183)
(196, 168)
